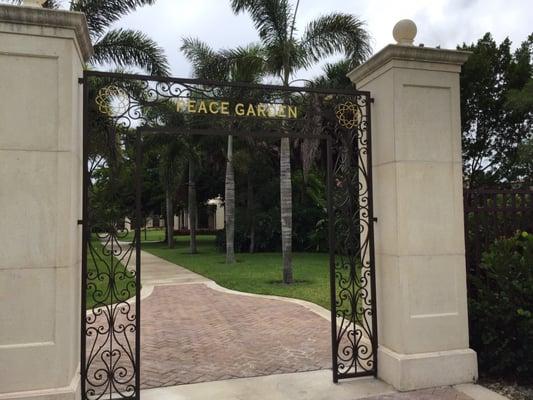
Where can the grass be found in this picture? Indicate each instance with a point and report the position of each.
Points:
(147, 235)
(254, 273)
(108, 279)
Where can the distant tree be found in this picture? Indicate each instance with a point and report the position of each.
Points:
(497, 111)
(286, 53)
(334, 75)
(243, 64)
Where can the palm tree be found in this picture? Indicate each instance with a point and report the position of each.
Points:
(286, 54)
(334, 75)
(121, 47)
(243, 64)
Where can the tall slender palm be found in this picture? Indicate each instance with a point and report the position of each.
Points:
(286, 53)
(243, 64)
(121, 47)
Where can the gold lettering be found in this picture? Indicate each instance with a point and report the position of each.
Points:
(271, 111)
(293, 112)
(239, 109)
(224, 108)
(261, 110)
(202, 108)
(251, 110)
(215, 109)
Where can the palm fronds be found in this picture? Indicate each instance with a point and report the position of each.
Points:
(126, 47)
(336, 33)
(102, 14)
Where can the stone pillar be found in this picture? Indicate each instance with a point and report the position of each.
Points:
(42, 56)
(418, 200)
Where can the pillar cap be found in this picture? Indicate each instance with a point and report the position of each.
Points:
(404, 32)
(408, 53)
(33, 3)
(50, 18)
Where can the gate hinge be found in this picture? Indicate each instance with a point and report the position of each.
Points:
(372, 100)
(375, 219)
(81, 81)
(80, 222)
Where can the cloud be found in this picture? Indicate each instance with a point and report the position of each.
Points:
(440, 22)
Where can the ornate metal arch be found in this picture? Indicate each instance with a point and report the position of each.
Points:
(118, 110)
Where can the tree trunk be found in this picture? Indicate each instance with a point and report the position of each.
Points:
(286, 193)
(192, 206)
(229, 209)
(286, 209)
(170, 218)
(251, 213)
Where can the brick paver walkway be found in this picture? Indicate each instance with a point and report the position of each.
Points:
(191, 333)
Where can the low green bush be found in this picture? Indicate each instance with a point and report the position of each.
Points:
(501, 309)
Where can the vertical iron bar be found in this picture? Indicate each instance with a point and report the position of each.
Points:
(371, 236)
(331, 242)
(85, 234)
(138, 193)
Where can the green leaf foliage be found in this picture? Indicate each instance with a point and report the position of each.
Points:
(496, 99)
(501, 307)
(126, 47)
(286, 51)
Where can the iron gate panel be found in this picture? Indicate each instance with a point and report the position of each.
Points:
(352, 265)
(120, 111)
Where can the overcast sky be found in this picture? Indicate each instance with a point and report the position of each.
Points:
(440, 22)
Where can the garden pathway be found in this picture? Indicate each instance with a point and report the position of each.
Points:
(193, 333)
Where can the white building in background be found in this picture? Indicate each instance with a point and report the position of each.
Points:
(215, 218)
(214, 221)
(218, 215)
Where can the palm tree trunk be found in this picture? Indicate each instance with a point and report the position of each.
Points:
(286, 209)
(229, 209)
(286, 198)
(170, 218)
(251, 212)
(192, 207)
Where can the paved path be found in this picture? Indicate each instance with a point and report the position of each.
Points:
(156, 271)
(193, 333)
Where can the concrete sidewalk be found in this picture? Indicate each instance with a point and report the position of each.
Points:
(156, 271)
(316, 385)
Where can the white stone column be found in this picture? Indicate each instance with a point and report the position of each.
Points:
(418, 200)
(42, 56)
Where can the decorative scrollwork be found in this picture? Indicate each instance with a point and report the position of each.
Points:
(110, 323)
(354, 310)
(112, 101)
(348, 114)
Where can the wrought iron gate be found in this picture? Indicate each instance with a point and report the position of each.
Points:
(120, 111)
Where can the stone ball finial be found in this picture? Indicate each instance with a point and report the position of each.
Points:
(33, 3)
(404, 32)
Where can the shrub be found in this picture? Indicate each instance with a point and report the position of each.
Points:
(501, 309)
(267, 233)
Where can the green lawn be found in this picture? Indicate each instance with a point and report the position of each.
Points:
(147, 235)
(108, 280)
(254, 273)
